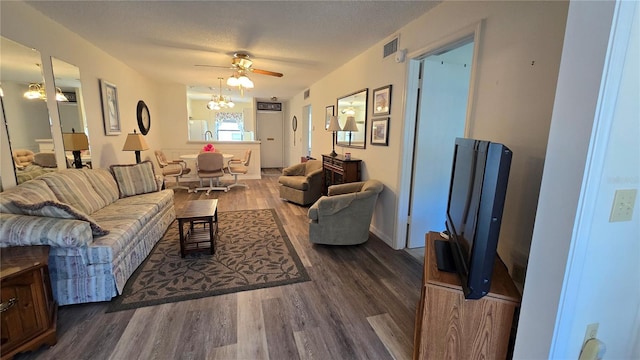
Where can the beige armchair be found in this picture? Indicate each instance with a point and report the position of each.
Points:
(302, 183)
(173, 168)
(238, 167)
(22, 158)
(344, 217)
(210, 165)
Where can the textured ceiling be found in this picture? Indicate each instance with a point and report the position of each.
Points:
(304, 40)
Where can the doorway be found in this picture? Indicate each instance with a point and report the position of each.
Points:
(441, 116)
(306, 139)
(270, 133)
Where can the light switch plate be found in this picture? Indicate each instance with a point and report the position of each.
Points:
(623, 204)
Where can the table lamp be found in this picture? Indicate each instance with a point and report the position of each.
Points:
(350, 126)
(75, 142)
(334, 127)
(135, 142)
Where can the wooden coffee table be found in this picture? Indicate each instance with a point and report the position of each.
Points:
(196, 212)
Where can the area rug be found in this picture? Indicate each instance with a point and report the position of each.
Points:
(252, 252)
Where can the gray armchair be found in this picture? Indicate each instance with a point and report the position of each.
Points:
(302, 183)
(344, 217)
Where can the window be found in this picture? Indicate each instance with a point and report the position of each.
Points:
(229, 126)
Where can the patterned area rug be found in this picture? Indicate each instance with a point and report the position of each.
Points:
(252, 252)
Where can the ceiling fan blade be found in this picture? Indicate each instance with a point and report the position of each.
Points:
(265, 72)
(214, 66)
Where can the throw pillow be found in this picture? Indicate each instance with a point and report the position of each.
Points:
(55, 209)
(135, 179)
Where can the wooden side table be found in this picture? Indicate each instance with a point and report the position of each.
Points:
(28, 312)
(338, 170)
(198, 212)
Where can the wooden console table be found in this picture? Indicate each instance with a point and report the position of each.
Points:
(338, 170)
(450, 327)
(28, 311)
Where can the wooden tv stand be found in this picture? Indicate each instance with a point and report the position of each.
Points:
(450, 327)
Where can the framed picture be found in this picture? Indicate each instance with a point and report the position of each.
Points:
(327, 116)
(382, 101)
(110, 108)
(380, 131)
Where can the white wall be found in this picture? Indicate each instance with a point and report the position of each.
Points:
(593, 151)
(31, 115)
(21, 23)
(512, 104)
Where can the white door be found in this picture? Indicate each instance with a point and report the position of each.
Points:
(271, 136)
(441, 118)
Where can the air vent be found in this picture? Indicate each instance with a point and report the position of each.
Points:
(390, 48)
(307, 93)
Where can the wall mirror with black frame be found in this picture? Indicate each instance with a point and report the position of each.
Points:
(25, 111)
(352, 117)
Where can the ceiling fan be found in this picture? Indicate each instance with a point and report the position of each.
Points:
(242, 62)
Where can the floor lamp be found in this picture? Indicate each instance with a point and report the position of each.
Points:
(135, 142)
(334, 127)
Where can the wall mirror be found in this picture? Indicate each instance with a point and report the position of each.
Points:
(70, 106)
(25, 108)
(352, 117)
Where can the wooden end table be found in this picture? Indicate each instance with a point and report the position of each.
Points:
(198, 212)
(28, 312)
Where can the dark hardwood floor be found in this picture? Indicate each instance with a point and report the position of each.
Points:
(359, 304)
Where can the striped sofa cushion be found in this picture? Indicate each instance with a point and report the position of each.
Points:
(135, 179)
(103, 183)
(32, 191)
(72, 187)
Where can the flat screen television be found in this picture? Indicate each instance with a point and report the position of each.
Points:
(477, 192)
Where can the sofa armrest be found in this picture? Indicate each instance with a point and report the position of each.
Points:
(345, 188)
(25, 230)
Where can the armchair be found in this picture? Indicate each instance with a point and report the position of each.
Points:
(344, 216)
(23, 158)
(210, 165)
(237, 167)
(174, 168)
(302, 183)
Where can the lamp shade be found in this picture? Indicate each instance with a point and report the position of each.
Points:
(350, 125)
(135, 142)
(74, 141)
(333, 124)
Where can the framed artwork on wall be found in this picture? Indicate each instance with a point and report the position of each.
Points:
(110, 108)
(380, 132)
(327, 116)
(382, 101)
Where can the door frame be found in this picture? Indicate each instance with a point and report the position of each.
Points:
(412, 110)
(283, 134)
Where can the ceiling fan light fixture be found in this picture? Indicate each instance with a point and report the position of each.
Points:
(245, 81)
(218, 101)
(36, 91)
(60, 96)
(233, 80)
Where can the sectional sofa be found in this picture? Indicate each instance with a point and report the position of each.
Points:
(100, 223)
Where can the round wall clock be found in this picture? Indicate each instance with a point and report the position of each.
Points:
(144, 119)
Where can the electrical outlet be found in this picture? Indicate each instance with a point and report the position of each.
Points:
(592, 332)
(623, 204)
